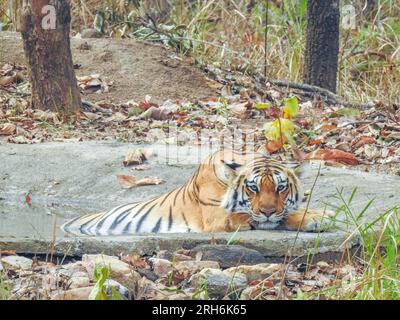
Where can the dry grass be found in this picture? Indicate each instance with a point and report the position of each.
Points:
(230, 34)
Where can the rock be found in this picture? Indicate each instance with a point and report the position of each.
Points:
(258, 271)
(180, 296)
(164, 254)
(115, 265)
(188, 268)
(120, 271)
(75, 266)
(249, 293)
(123, 291)
(1, 267)
(228, 255)
(17, 262)
(175, 257)
(91, 33)
(73, 294)
(147, 273)
(79, 280)
(217, 283)
(161, 267)
(323, 265)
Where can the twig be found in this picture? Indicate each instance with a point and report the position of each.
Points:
(329, 96)
(15, 92)
(297, 233)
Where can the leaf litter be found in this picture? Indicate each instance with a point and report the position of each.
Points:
(335, 134)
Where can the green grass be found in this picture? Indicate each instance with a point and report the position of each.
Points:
(379, 259)
(5, 289)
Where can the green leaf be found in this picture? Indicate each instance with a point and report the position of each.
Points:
(291, 108)
(273, 130)
(262, 106)
(101, 274)
(98, 23)
(345, 112)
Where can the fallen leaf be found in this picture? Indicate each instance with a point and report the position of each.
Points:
(8, 252)
(315, 142)
(135, 261)
(46, 116)
(146, 181)
(274, 146)
(134, 157)
(8, 129)
(240, 110)
(360, 141)
(328, 127)
(128, 182)
(125, 181)
(333, 155)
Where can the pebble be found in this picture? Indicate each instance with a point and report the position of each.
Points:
(91, 33)
(258, 271)
(17, 262)
(73, 294)
(188, 268)
(218, 283)
(161, 267)
(228, 255)
(123, 291)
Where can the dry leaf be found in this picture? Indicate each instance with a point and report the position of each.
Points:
(360, 141)
(135, 261)
(126, 182)
(328, 127)
(274, 146)
(8, 252)
(146, 181)
(333, 155)
(134, 157)
(8, 129)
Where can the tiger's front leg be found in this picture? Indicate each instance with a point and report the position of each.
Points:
(237, 221)
(314, 220)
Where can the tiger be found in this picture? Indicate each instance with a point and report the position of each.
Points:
(229, 191)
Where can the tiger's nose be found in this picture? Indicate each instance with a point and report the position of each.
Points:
(267, 212)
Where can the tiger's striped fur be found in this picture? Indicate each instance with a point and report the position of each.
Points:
(227, 191)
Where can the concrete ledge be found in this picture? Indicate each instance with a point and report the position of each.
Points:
(274, 245)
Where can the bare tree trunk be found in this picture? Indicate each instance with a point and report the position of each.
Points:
(47, 50)
(15, 8)
(322, 47)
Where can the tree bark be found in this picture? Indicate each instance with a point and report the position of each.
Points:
(322, 47)
(15, 8)
(48, 53)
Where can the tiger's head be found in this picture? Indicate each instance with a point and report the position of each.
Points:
(264, 188)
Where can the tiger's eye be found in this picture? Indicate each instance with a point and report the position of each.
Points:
(280, 188)
(252, 188)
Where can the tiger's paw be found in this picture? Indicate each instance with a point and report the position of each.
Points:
(314, 221)
(238, 221)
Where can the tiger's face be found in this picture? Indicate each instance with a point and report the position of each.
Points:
(264, 189)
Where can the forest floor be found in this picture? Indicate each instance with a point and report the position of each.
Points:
(142, 93)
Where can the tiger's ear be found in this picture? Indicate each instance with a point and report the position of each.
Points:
(228, 170)
(299, 168)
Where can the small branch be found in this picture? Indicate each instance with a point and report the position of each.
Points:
(297, 233)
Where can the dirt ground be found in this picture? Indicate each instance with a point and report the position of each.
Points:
(135, 68)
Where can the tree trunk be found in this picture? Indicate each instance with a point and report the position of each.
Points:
(322, 47)
(15, 9)
(45, 33)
